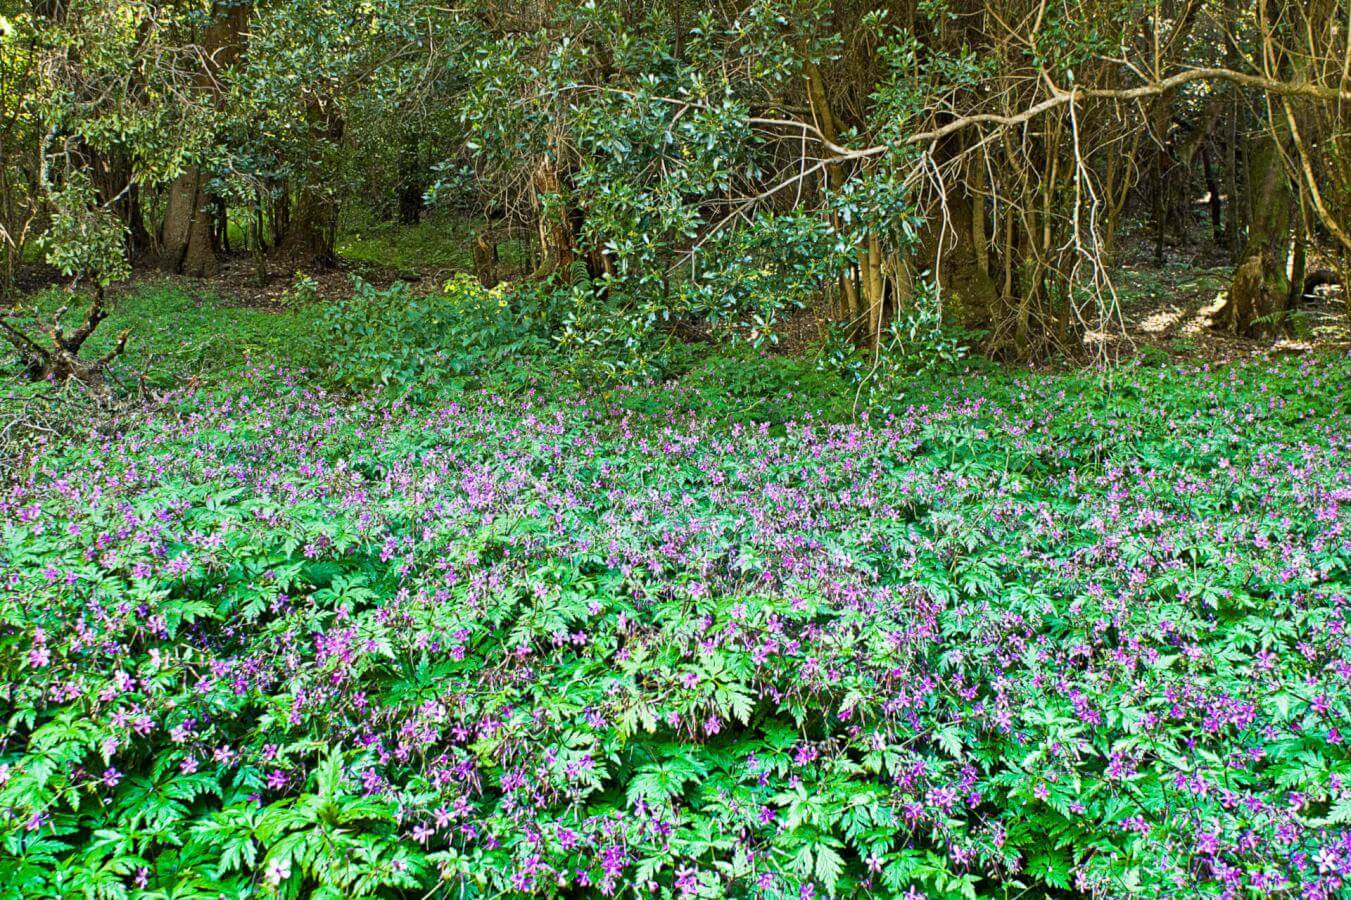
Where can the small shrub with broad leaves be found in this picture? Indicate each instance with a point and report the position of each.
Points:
(395, 342)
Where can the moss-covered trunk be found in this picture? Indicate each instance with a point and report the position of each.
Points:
(311, 229)
(311, 224)
(1260, 291)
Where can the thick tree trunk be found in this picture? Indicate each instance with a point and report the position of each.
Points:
(485, 259)
(1261, 287)
(116, 187)
(187, 244)
(312, 223)
(311, 229)
(557, 238)
(970, 295)
(185, 240)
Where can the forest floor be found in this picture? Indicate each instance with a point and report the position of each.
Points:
(1165, 308)
(722, 632)
(728, 631)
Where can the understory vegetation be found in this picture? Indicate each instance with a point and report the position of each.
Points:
(765, 449)
(297, 630)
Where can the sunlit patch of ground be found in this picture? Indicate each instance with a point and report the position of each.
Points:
(1175, 308)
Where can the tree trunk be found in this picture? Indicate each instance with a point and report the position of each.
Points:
(410, 182)
(185, 240)
(1233, 226)
(485, 259)
(311, 229)
(1299, 258)
(1216, 204)
(187, 244)
(961, 265)
(1259, 295)
(1261, 288)
(115, 185)
(558, 243)
(312, 223)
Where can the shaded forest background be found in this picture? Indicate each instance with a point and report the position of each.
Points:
(904, 169)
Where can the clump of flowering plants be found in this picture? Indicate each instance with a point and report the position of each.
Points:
(1017, 637)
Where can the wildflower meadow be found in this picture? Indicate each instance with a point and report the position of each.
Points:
(1017, 638)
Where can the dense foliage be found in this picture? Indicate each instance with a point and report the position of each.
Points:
(542, 560)
(1065, 633)
(673, 164)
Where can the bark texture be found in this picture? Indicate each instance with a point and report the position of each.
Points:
(186, 245)
(1260, 291)
(186, 240)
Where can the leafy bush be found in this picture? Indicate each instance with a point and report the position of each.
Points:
(303, 291)
(85, 240)
(751, 277)
(912, 346)
(411, 345)
(1022, 637)
(746, 386)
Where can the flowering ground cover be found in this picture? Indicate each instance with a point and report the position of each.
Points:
(1041, 636)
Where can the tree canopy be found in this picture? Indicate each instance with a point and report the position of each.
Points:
(964, 162)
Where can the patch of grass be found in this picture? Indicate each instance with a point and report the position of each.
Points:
(1149, 286)
(431, 244)
(176, 334)
(436, 244)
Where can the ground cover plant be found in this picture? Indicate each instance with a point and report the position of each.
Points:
(1040, 635)
(762, 449)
